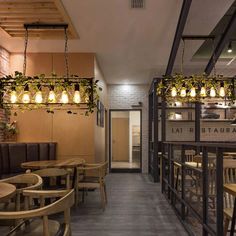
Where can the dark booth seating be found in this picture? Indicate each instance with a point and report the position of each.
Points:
(13, 154)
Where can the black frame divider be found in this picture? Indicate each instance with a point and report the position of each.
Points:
(170, 157)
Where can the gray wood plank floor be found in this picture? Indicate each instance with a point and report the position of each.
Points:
(135, 207)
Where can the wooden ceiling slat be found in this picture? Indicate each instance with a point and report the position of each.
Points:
(15, 13)
(29, 11)
(45, 5)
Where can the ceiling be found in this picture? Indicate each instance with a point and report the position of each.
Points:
(132, 45)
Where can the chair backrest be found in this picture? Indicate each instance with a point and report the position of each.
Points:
(54, 172)
(62, 205)
(25, 181)
(189, 155)
(229, 177)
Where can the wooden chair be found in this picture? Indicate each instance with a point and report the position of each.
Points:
(52, 174)
(23, 182)
(92, 176)
(229, 178)
(41, 225)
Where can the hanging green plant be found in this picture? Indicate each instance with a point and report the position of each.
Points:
(195, 88)
(26, 92)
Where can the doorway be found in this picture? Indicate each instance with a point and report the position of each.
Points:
(125, 134)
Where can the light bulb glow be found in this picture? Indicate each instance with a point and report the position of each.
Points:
(173, 92)
(222, 92)
(39, 97)
(212, 92)
(13, 97)
(26, 97)
(51, 97)
(77, 97)
(64, 97)
(183, 92)
(203, 92)
(193, 92)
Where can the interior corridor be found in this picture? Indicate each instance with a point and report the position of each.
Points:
(135, 207)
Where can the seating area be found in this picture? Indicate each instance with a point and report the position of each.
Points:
(47, 187)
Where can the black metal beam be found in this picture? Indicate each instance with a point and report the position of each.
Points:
(178, 34)
(197, 37)
(45, 26)
(224, 39)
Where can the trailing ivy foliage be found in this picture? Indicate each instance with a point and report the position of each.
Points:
(179, 81)
(19, 82)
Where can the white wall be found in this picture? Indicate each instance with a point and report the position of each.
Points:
(122, 97)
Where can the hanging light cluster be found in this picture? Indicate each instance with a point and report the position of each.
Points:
(194, 91)
(17, 91)
(34, 92)
(195, 87)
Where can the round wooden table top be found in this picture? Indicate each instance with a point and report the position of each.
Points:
(67, 163)
(7, 191)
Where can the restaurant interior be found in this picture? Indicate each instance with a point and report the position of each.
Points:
(117, 117)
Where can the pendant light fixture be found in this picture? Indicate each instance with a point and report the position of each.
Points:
(26, 95)
(77, 97)
(41, 91)
(52, 95)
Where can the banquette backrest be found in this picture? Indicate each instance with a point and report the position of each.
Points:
(13, 154)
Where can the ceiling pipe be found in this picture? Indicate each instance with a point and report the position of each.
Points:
(178, 35)
(224, 39)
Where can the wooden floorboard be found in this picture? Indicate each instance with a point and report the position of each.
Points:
(135, 207)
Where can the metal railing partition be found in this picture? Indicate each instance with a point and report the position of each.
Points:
(192, 180)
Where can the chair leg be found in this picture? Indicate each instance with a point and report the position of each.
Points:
(105, 192)
(226, 226)
(102, 197)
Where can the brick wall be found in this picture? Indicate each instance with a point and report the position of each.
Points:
(122, 97)
(4, 70)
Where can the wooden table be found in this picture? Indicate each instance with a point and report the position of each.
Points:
(67, 163)
(7, 191)
(231, 189)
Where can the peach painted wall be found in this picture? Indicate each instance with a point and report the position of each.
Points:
(73, 133)
(100, 132)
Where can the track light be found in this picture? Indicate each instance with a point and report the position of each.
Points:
(230, 49)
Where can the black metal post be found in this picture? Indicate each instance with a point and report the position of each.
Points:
(219, 191)
(205, 189)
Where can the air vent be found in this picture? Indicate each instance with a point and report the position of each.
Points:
(137, 4)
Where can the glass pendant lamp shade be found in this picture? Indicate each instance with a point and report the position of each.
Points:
(203, 91)
(52, 95)
(183, 92)
(193, 92)
(13, 96)
(222, 90)
(64, 97)
(77, 97)
(39, 95)
(173, 92)
(212, 92)
(26, 95)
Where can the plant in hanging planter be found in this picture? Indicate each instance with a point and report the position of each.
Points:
(195, 88)
(25, 92)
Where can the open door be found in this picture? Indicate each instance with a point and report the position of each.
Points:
(125, 140)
